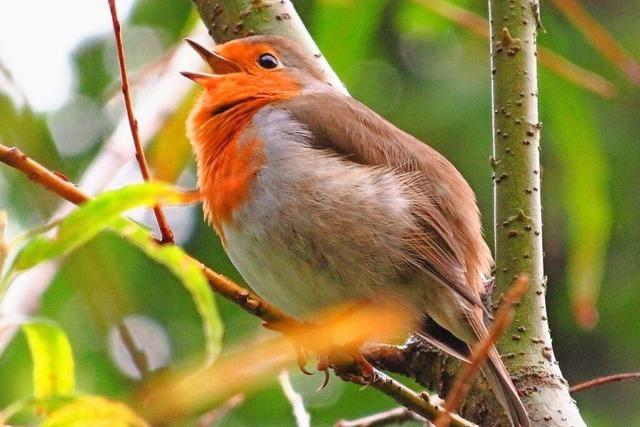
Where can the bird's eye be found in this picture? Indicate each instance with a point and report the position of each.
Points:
(267, 61)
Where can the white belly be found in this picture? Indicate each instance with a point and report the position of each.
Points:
(319, 230)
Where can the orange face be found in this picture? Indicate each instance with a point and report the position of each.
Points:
(247, 77)
(258, 59)
(244, 71)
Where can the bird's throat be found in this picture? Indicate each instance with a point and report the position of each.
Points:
(228, 157)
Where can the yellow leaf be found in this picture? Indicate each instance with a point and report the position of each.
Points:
(92, 411)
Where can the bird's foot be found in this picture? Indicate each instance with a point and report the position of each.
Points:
(351, 366)
(345, 359)
(287, 329)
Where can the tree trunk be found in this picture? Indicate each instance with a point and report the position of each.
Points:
(517, 221)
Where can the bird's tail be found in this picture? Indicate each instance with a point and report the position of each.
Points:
(500, 381)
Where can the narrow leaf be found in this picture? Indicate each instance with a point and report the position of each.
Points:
(585, 194)
(92, 217)
(53, 366)
(91, 411)
(190, 275)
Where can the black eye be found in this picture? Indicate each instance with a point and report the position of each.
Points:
(267, 61)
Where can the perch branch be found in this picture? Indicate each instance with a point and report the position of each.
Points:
(393, 416)
(247, 300)
(165, 230)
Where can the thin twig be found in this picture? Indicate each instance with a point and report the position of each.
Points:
(418, 403)
(604, 380)
(303, 419)
(219, 283)
(138, 357)
(165, 230)
(554, 62)
(598, 36)
(394, 416)
(227, 288)
(216, 415)
(481, 350)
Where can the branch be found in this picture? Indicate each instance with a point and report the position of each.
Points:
(391, 417)
(419, 403)
(604, 380)
(232, 291)
(157, 103)
(165, 230)
(518, 216)
(554, 62)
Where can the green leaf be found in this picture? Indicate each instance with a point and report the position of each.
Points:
(189, 272)
(104, 211)
(92, 411)
(53, 366)
(4, 248)
(91, 218)
(572, 125)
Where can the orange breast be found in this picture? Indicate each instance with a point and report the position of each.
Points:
(223, 114)
(228, 186)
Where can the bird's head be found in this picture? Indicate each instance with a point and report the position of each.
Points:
(254, 68)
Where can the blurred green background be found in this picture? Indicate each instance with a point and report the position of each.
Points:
(424, 73)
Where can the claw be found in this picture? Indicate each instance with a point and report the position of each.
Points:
(368, 371)
(302, 360)
(323, 366)
(325, 381)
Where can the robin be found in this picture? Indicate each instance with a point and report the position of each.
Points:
(318, 200)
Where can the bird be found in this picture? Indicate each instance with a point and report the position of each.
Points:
(319, 200)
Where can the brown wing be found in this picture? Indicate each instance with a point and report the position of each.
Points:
(450, 245)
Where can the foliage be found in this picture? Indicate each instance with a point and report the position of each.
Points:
(425, 74)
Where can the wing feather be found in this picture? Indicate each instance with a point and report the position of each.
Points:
(447, 241)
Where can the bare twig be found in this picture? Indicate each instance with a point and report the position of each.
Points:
(418, 403)
(600, 38)
(481, 350)
(303, 419)
(219, 283)
(392, 417)
(227, 288)
(165, 230)
(214, 416)
(554, 62)
(138, 357)
(604, 380)
(43, 176)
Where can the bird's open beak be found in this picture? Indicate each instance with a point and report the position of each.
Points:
(218, 64)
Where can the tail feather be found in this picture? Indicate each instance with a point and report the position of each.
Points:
(505, 391)
(500, 381)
